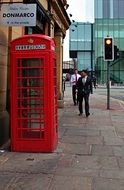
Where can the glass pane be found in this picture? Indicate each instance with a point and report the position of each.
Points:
(30, 91)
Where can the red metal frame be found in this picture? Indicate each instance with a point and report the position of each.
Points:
(34, 125)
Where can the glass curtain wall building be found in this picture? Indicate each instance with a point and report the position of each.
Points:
(109, 21)
(81, 45)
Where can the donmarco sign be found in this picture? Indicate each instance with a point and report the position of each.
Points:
(18, 14)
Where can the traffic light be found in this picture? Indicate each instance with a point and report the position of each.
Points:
(116, 52)
(108, 49)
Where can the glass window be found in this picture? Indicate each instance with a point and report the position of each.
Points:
(84, 60)
(81, 31)
(121, 8)
(121, 44)
(115, 8)
(88, 45)
(99, 31)
(121, 29)
(87, 30)
(115, 30)
(106, 9)
(73, 45)
(81, 46)
(98, 9)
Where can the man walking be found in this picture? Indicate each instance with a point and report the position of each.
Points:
(84, 87)
(74, 79)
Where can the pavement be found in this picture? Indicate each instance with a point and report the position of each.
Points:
(89, 156)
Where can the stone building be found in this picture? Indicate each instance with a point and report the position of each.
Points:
(52, 20)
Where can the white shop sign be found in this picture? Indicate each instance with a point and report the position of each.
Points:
(18, 14)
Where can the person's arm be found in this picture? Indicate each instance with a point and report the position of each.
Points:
(78, 84)
(91, 87)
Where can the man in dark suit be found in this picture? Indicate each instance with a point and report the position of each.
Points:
(84, 87)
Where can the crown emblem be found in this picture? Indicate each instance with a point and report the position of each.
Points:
(30, 41)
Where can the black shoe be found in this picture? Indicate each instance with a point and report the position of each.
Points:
(80, 114)
(74, 104)
(87, 114)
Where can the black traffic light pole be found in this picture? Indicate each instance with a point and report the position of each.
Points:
(108, 84)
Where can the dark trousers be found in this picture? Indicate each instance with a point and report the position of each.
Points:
(86, 100)
(74, 94)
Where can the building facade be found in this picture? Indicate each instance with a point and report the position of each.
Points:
(109, 21)
(81, 44)
(86, 40)
(51, 20)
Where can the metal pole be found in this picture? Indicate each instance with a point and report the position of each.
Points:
(108, 85)
(91, 50)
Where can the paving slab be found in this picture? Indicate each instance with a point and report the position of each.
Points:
(71, 182)
(89, 156)
(102, 150)
(112, 174)
(109, 184)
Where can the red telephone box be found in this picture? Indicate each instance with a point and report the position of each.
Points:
(34, 126)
